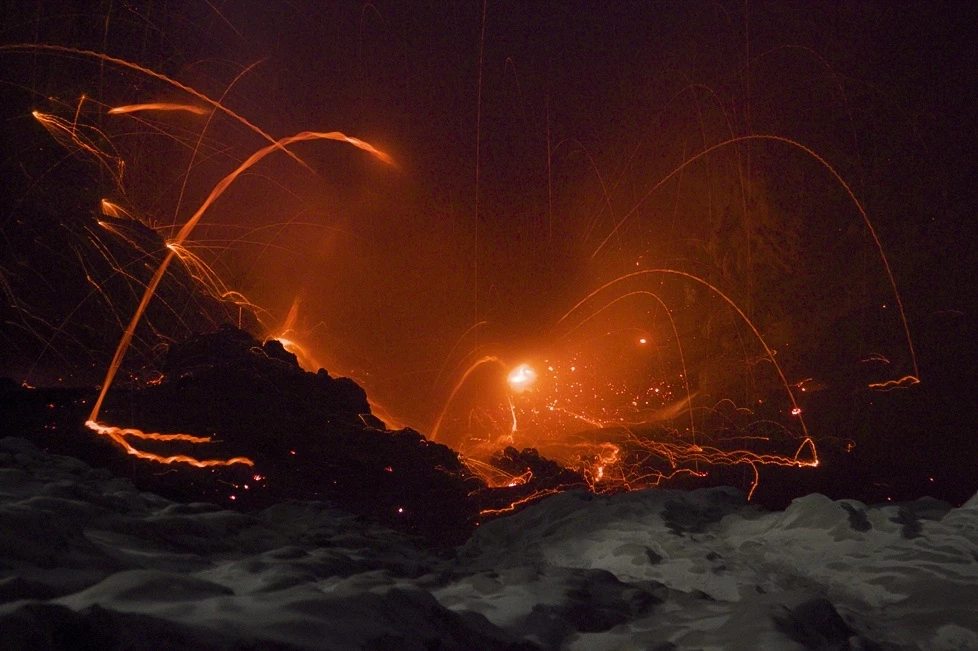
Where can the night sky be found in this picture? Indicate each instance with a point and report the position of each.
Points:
(542, 150)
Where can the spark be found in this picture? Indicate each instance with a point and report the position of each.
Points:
(151, 73)
(175, 245)
(488, 359)
(64, 131)
(838, 177)
(875, 357)
(905, 382)
(750, 324)
(175, 249)
(158, 106)
(114, 210)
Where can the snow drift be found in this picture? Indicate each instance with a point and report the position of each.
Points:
(86, 559)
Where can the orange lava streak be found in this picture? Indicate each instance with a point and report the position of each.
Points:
(173, 248)
(526, 500)
(114, 210)
(54, 124)
(109, 430)
(716, 457)
(654, 480)
(449, 355)
(458, 385)
(151, 73)
(905, 382)
(118, 435)
(157, 106)
(210, 281)
(832, 171)
(675, 333)
(495, 477)
(757, 480)
(750, 324)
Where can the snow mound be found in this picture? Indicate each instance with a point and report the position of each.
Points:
(87, 560)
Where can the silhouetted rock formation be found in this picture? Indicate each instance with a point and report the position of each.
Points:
(310, 435)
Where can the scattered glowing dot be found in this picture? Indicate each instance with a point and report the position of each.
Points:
(642, 340)
(795, 411)
(400, 509)
(232, 497)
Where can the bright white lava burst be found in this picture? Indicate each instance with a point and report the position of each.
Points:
(521, 378)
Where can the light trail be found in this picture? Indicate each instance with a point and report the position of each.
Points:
(832, 171)
(158, 106)
(21, 47)
(175, 247)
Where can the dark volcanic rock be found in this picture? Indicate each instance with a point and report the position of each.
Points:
(538, 477)
(226, 381)
(310, 435)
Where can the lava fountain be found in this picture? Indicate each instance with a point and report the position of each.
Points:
(668, 240)
(172, 251)
(175, 246)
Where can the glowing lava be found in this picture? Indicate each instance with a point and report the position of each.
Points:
(158, 106)
(521, 378)
(119, 434)
(175, 249)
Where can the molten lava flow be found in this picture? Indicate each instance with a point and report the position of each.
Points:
(118, 435)
(286, 335)
(533, 497)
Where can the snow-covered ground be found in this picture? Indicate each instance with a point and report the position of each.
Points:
(87, 560)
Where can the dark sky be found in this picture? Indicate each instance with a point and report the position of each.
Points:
(568, 114)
